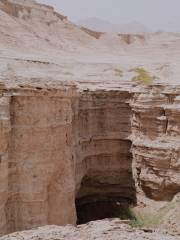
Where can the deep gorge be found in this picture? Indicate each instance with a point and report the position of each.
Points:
(93, 152)
(104, 172)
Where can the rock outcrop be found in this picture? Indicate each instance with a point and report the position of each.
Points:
(107, 229)
(58, 146)
(156, 149)
(34, 173)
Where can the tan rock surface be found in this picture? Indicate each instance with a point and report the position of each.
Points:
(73, 124)
(105, 229)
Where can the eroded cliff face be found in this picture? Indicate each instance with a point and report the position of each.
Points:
(104, 127)
(103, 154)
(93, 148)
(36, 159)
(156, 142)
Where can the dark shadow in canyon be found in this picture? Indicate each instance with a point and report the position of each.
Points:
(98, 200)
(107, 188)
(96, 208)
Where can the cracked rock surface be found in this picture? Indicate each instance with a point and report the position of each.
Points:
(104, 229)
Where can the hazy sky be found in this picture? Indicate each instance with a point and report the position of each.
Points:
(155, 14)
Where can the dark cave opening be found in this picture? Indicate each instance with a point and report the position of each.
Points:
(107, 189)
(93, 208)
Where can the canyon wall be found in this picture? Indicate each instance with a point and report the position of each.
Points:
(79, 132)
(61, 146)
(103, 154)
(156, 141)
(36, 168)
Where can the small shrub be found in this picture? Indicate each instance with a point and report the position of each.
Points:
(145, 220)
(152, 219)
(143, 76)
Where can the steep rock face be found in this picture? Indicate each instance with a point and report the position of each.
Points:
(5, 128)
(36, 167)
(104, 147)
(156, 145)
(61, 146)
(103, 156)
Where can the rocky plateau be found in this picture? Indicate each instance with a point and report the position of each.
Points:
(89, 126)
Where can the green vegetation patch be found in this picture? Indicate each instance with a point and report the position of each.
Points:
(151, 219)
(145, 220)
(143, 76)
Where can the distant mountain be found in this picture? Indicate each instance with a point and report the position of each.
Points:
(100, 25)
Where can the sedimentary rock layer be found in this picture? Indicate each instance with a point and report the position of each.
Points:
(75, 126)
(58, 146)
(103, 156)
(36, 168)
(156, 141)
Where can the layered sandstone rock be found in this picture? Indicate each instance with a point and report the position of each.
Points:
(156, 145)
(37, 173)
(61, 145)
(54, 141)
(75, 129)
(103, 154)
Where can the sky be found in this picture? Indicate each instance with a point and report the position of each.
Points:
(154, 14)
